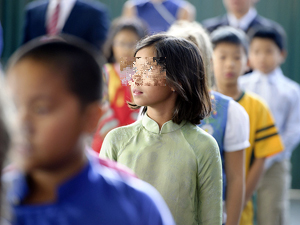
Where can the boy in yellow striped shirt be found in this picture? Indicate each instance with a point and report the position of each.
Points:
(229, 62)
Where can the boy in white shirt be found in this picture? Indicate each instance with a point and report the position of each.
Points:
(267, 53)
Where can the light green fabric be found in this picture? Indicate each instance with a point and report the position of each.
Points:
(181, 161)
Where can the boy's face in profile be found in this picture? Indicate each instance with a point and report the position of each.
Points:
(50, 116)
(265, 55)
(229, 62)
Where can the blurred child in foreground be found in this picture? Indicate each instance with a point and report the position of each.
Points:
(56, 85)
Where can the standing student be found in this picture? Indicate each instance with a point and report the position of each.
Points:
(57, 88)
(228, 124)
(159, 14)
(240, 14)
(165, 147)
(120, 46)
(229, 62)
(87, 20)
(267, 53)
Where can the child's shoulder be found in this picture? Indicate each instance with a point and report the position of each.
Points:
(198, 138)
(254, 99)
(124, 132)
(292, 86)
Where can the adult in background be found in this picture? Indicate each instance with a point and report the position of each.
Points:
(240, 14)
(87, 20)
(159, 14)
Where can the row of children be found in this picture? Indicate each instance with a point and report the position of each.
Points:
(150, 156)
(57, 87)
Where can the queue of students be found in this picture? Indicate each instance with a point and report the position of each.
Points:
(204, 143)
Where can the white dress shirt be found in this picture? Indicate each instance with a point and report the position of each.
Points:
(244, 22)
(283, 97)
(66, 7)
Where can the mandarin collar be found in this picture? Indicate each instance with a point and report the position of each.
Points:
(168, 127)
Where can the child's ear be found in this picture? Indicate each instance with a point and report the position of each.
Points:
(93, 113)
(283, 54)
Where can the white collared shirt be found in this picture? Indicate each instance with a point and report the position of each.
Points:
(283, 100)
(65, 9)
(244, 22)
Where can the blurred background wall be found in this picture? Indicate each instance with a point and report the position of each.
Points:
(285, 12)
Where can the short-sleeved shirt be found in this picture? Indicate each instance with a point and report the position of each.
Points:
(264, 139)
(181, 161)
(96, 195)
(229, 125)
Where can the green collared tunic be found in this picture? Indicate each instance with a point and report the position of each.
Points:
(181, 161)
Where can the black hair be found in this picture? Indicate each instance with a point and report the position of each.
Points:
(72, 58)
(277, 35)
(231, 35)
(136, 25)
(185, 73)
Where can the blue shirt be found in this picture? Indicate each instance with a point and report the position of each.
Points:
(96, 195)
(158, 21)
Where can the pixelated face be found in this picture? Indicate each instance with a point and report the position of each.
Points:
(124, 44)
(148, 83)
(51, 118)
(143, 71)
(265, 55)
(238, 6)
(229, 62)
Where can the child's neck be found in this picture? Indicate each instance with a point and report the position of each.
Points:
(240, 15)
(232, 91)
(43, 183)
(160, 115)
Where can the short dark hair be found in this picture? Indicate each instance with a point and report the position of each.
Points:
(185, 73)
(73, 58)
(122, 23)
(277, 35)
(231, 35)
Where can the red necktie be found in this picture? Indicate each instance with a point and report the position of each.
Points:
(52, 25)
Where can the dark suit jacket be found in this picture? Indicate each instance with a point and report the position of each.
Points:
(87, 20)
(213, 23)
